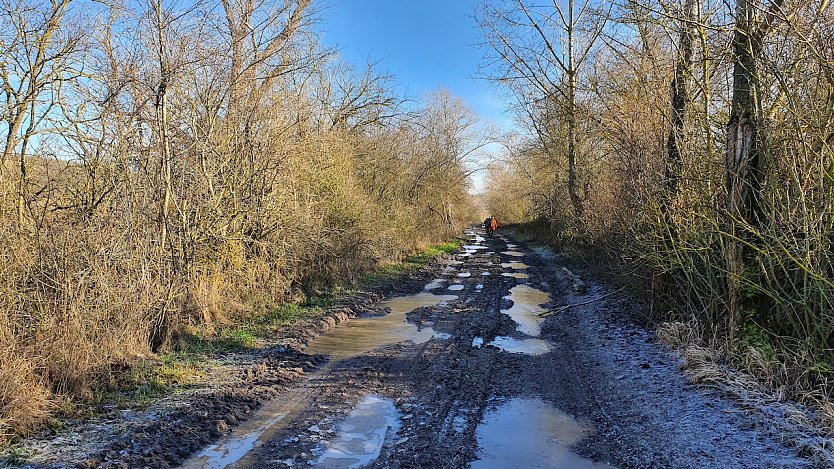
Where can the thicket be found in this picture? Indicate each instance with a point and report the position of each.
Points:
(169, 165)
(691, 139)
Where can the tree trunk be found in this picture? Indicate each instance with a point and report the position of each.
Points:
(680, 100)
(744, 166)
(573, 186)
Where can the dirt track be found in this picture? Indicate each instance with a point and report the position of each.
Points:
(616, 395)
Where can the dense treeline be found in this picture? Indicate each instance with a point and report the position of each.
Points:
(171, 164)
(692, 139)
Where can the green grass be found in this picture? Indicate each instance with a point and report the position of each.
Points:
(409, 264)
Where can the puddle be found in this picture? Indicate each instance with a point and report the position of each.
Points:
(477, 239)
(254, 432)
(479, 286)
(514, 265)
(361, 435)
(465, 274)
(477, 341)
(515, 275)
(361, 335)
(530, 433)
(511, 246)
(485, 274)
(526, 346)
(449, 262)
(434, 284)
(526, 301)
(513, 253)
(457, 287)
(473, 247)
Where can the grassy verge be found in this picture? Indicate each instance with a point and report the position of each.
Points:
(187, 365)
(409, 264)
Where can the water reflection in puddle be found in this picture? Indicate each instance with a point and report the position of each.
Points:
(511, 246)
(361, 435)
(457, 287)
(514, 265)
(513, 253)
(530, 433)
(229, 451)
(525, 309)
(515, 275)
(473, 247)
(449, 262)
(485, 274)
(525, 346)
(465, 274)
(361, 335)
(434, 284)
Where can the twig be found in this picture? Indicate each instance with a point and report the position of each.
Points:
(562, 309)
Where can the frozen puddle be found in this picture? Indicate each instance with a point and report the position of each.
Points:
(361, 335)
(361, 435)
(515, 275)
(526, 346)
(514, 265)
(530, 433)
(526, 307)
(513, 253)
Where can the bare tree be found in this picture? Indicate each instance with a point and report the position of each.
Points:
(36, 53)
(540, 50)
(745, 165)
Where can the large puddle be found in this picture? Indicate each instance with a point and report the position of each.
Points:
(530, 433)
(361, 335)
(361, 435)
(527, 303)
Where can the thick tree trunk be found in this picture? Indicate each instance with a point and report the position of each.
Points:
(680, 101)
(744, 165)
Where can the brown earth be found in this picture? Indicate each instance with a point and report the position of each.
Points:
(602, 370)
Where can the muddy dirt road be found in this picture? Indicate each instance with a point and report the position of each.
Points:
(463, 372)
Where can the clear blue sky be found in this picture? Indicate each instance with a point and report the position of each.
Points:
(425, 44)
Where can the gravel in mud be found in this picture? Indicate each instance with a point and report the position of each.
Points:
(598, 369)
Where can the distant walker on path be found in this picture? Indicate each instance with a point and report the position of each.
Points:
(490, 225)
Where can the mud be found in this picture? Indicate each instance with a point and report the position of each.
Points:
(473, 380)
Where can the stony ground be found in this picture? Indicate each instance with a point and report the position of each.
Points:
(602, 370)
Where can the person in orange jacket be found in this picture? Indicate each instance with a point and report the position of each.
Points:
(490, 225)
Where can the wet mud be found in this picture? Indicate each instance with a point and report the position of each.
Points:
(455, 368)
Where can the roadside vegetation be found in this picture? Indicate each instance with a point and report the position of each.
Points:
(174, 167)
(691, 142)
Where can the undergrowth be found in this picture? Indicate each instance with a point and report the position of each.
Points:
(188, 362)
